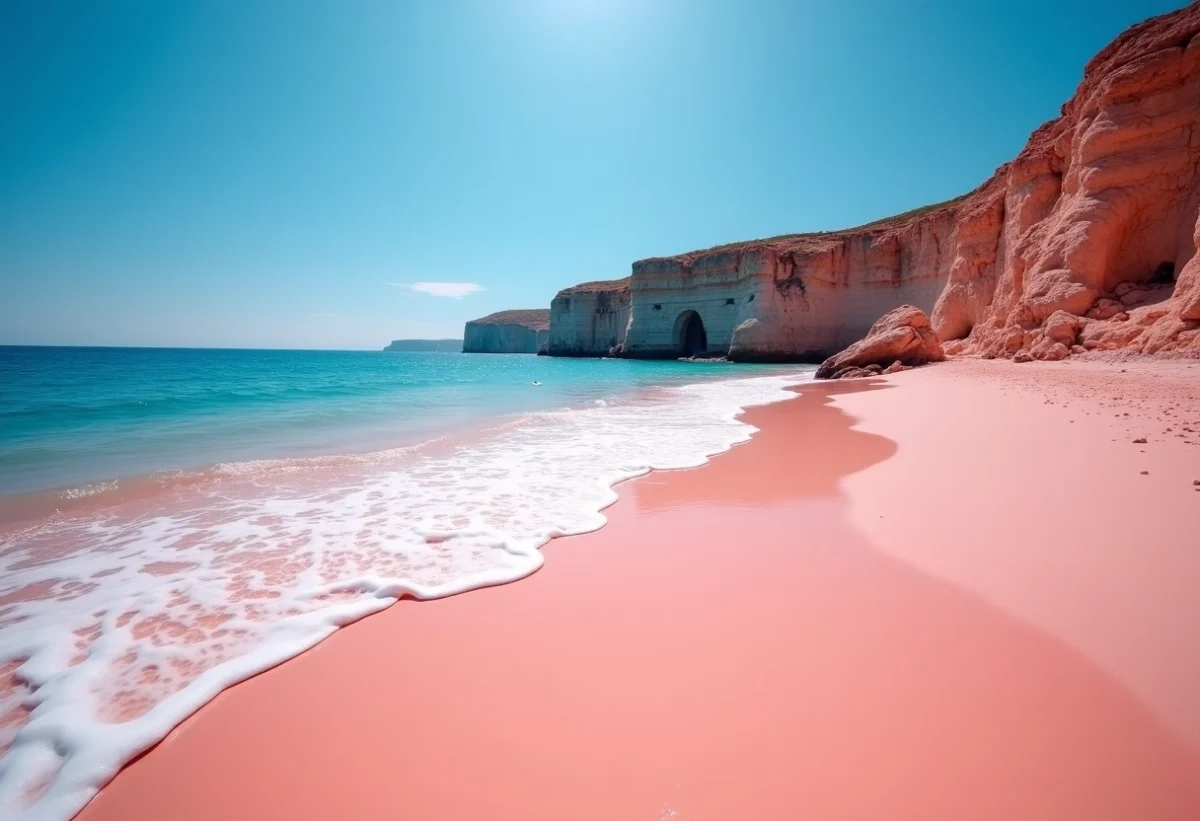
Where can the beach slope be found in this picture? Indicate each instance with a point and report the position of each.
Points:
(963, 591)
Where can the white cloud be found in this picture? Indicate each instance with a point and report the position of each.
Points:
(450, 290)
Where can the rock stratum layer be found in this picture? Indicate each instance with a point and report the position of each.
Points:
(521, 331)
(1087, 240)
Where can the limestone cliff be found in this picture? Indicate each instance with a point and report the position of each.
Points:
(802, 296)
(522, 331)
(797, 297)
(590, 319)
(1086, 240)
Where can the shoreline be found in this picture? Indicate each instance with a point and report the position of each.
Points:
(92, 493)
(832, 618)
(206, 590)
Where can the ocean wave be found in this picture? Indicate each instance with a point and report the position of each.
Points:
(90, 490)
(117, 624)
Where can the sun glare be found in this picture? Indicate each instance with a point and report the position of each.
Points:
(581, 12)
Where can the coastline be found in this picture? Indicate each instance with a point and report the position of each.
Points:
(833, 619)
(206, 585)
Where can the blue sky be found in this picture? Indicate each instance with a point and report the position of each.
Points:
(286, 174)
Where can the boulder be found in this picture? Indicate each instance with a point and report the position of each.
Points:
(854, 372)
(1014, 339)
(1055, 353)
(1062, 327)
(903, 335)
(1104, 309)
(954, 347)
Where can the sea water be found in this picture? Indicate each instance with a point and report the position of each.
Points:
(174, 521)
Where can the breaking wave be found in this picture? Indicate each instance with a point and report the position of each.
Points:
(118, 621)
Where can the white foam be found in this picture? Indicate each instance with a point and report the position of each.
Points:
(120, 624)
(94, 489)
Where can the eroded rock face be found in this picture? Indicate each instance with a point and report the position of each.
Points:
(521, 331)
(1099, 213)
(791, 298)
(590, 319)
(1098, 218)
(904, 335)
(1187, 289)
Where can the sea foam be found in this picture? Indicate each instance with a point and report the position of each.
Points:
(117, 624)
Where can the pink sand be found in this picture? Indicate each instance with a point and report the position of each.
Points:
(971, 604)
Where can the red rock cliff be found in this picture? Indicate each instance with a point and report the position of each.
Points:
(1087, 240)
(1096, 217)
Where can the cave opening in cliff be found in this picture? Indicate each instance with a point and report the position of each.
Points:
(1164, 274)
(690, 333)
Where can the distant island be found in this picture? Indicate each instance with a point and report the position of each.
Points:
(450, 345)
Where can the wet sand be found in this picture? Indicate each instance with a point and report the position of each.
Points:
(935, 596)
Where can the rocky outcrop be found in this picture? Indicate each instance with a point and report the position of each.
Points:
(1096, 219)
(1087, 240)
(799, 297)
(902, 336)
(425, 345)
(590, 319)
(523, 331)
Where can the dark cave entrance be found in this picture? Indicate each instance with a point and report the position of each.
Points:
(1164, 274)
(693, 340)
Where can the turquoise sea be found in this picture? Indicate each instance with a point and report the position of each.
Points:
(174, 521)
(74, 416)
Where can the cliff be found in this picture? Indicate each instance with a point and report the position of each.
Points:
(425, 345)
(802, 296)
(1087, 240)
(521, 331)
(590, 319)
(1096, 217)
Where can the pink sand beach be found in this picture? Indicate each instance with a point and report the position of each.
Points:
(957, 592)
